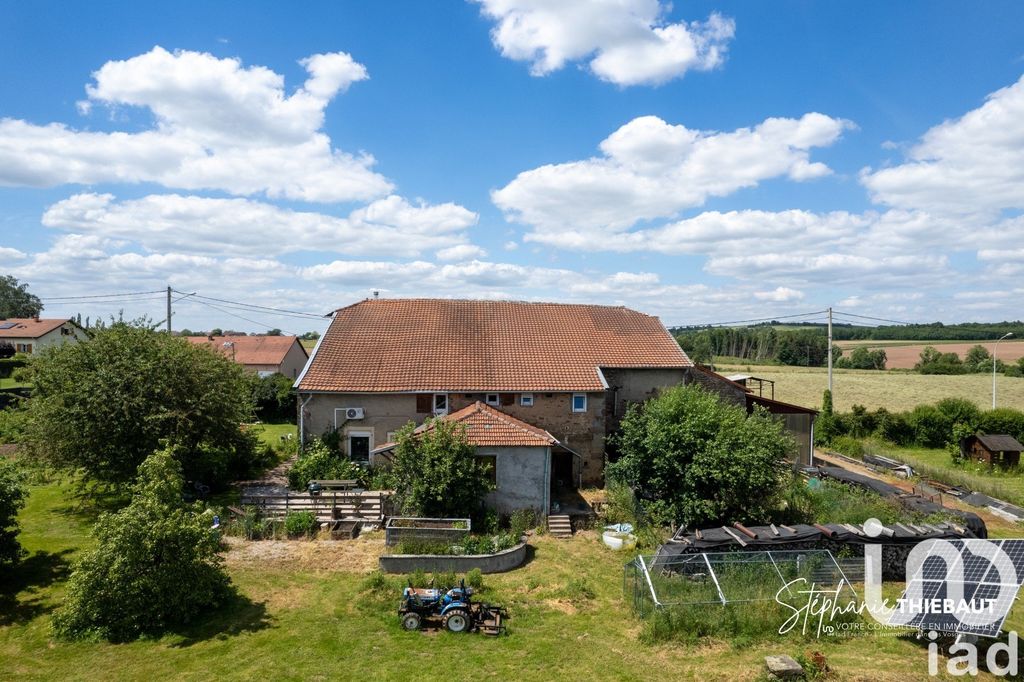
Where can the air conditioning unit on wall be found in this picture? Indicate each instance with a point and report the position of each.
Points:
(353, 413)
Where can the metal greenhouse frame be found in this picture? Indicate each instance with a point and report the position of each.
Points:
(706, 578)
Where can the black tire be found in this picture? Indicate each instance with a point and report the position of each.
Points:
(457, 620)
(411, 621)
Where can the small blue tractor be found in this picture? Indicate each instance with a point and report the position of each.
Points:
(454, 608)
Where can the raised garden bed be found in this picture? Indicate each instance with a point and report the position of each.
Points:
(499, 562)
(400, 528)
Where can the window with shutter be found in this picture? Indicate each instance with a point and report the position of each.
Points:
(508, 398)
(424, 403)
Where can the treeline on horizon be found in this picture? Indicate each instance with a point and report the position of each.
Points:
(805, 344)
(931, 331)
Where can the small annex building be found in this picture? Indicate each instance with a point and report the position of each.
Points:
(518, 456)
(996, 449)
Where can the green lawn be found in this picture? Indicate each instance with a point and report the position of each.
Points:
(11, 383)
(893, 390)
(308, 616)
(271, 433)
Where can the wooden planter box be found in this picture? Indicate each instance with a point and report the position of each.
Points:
(401, 528)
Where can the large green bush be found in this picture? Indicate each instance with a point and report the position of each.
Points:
(100, 407)
(155, 565)
(274, 397)
(12, 499)
(437, 473)
(318, 461)
(694, 459)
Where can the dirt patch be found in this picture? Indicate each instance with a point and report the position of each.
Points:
(351, 556)
(993, 523)
(905, 357)
(561, 605)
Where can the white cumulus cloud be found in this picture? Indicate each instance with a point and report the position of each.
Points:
(652, 169)
(218, 125)
(626, 42)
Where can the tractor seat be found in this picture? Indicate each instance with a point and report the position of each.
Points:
(424, 592)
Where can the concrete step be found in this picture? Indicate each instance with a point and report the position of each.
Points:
(560, 526)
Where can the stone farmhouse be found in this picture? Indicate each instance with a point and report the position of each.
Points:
(562, 375)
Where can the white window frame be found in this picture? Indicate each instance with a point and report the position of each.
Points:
(391, 436)
(579, 395)
(437, 410)
(358, 433)
(495, 402)
(526, 400)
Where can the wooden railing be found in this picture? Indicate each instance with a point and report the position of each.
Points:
(368, 506)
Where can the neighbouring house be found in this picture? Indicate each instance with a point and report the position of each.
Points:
(264, 355)
(998, 449)
(568, 370)
(30, 335)
(518, 455)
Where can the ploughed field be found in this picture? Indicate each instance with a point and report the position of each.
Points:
(905, 354)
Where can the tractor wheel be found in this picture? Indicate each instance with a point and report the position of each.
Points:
(411, 621)
(456, 620)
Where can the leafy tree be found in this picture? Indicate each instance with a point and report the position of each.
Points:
(16, 300)
(274, 332)
(804, 347)
(862, 358)
(437, 472)
(694, 459)
(274, 397)
(12, 499)
(825, 426)
(978, 359)
(155, 566)
(1003, 420)
(960, 431)
(310, 336)
(103, 405)
(931, 361)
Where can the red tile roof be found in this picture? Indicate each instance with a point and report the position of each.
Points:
(394, 345)
(486, 426)
(251, 350)
(29, 328)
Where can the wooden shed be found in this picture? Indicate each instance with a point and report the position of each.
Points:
(999, 449)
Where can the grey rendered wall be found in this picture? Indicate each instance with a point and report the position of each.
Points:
(523, 476)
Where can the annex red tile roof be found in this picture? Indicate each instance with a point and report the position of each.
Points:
(395, 345)
(30, 328)
(250, 350)
(486, 426)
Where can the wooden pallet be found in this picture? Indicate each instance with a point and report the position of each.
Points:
(560, 526)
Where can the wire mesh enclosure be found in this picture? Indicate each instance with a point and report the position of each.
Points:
(679, 580)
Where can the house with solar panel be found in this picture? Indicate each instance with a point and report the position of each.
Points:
(540, 386)
(31, 335)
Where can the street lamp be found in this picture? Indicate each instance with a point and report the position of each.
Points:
(994, 349)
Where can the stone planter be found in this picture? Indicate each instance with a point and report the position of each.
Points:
(499, 562)
(449, 531)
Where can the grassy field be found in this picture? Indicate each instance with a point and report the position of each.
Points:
(11, 383)
(873, 389)
(905, 354)
(270, 432)
(307, 614)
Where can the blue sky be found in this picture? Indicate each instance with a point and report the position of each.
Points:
(699, 161)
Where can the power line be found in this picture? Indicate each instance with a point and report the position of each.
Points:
(228, 312)
(253, 306)
(877, 319)
(119, 301)
(78, 298)
(759, 319)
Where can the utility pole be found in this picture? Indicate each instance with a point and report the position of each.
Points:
(168, 310)
(829, 349)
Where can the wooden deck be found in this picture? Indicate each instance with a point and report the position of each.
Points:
(366, 506)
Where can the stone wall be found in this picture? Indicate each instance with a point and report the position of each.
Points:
(523, 478)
